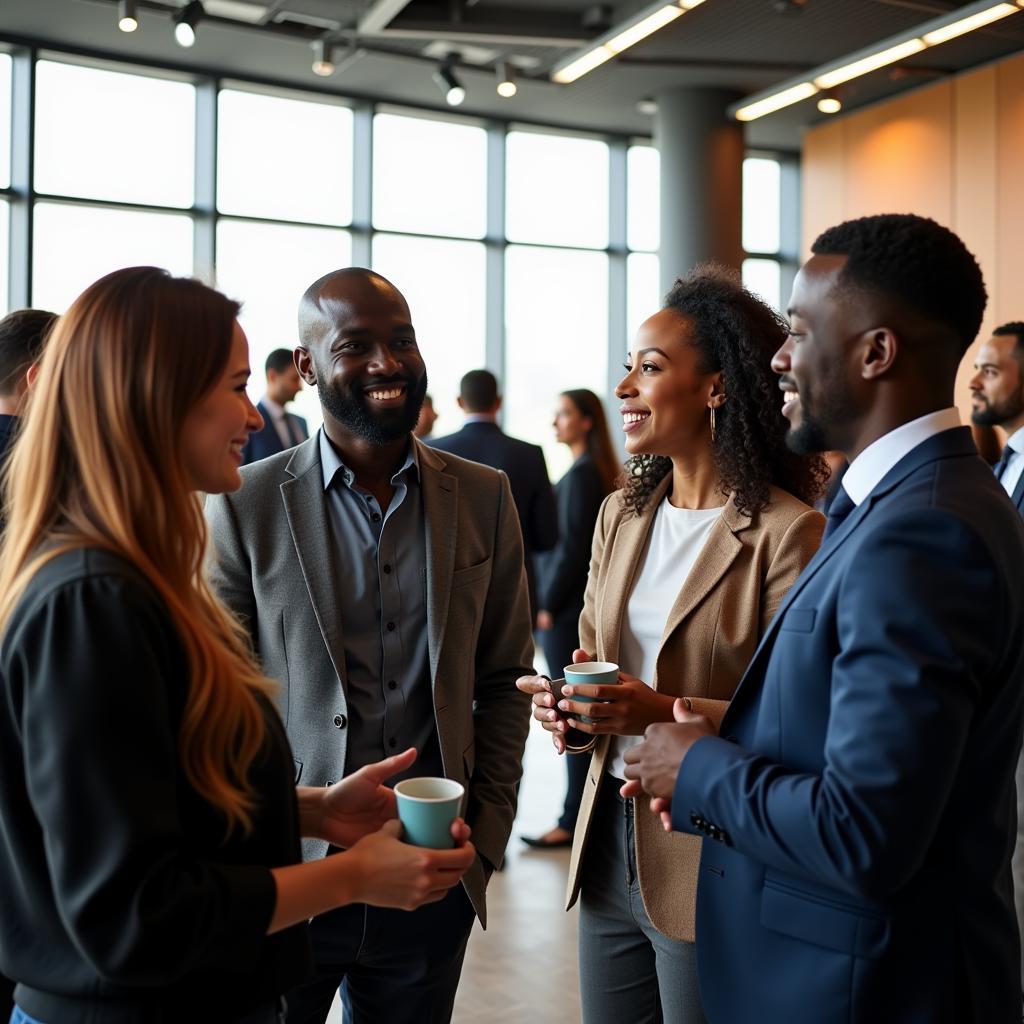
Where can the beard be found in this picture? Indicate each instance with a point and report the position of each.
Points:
(995, 414)
(822, 429)
(355, 411)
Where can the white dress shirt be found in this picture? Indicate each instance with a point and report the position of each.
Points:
(277, 416)
(1015, 463)
(867, 470)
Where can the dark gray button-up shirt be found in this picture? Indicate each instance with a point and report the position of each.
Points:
(380, 563)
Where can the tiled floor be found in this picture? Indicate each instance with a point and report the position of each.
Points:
(523, 969)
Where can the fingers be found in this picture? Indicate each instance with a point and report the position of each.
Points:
(681, 710)
(666, 821)
(631, 788)
(558, 740)
(580, 655)
(532, 684)
(381, 770)
(392, 828)
(632, 771)
(457, 860)
(544, 699)
(460, 832)
(593, 691)
(659, 804)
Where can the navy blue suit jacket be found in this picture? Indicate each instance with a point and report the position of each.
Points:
(862, 788)
(267, 442)
(527, 473)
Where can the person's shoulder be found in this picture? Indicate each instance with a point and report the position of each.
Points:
(459, 466)
(784, 509)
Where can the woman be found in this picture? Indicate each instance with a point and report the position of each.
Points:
(690, 561)
(150, 824)
(579, 423)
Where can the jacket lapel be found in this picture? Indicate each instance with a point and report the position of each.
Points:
(1018, 494)
(718, 553)
(305, 505)
(440, 513)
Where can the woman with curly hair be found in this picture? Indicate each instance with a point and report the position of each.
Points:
(691, 558)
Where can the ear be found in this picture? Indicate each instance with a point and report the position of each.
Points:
(879, 349)
(304, 364)
(717, 397)
(28, 382)
(462, 404)
(497, 404)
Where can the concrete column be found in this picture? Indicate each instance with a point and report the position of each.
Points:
(701, 150)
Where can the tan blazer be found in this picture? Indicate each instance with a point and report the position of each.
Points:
(723, 607)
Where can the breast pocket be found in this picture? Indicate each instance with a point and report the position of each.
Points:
(471, 574)
(799, 620)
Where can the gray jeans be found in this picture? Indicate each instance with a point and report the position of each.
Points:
(629, 971)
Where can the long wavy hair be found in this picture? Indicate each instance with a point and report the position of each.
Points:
(736, 334)
(98, 463)
(599, 440)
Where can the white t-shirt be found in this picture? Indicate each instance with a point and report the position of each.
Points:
(676, 539)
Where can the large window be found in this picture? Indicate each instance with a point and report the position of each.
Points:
(4, 247)
(770, 262)
(5, 124)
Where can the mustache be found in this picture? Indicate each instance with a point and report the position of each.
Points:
(376, 382)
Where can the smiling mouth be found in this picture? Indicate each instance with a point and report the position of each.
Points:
(632, 419)
(386, 394)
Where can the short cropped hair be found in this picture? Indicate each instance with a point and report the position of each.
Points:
(478, 390)
(915, 261)
(278, 360)
(22, 335)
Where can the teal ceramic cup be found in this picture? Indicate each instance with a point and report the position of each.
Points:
(426, 808)
(591, 673)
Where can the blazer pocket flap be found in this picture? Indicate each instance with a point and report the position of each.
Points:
(810, 919)
(472, 573)
(799, 620)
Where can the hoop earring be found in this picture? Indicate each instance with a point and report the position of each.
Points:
(712, 424)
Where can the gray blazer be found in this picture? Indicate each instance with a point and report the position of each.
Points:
(273, 568)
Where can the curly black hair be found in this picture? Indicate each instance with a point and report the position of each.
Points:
(915, 261)
(737, 334)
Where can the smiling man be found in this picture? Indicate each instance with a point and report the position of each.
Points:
(859, 803)
(383, 586)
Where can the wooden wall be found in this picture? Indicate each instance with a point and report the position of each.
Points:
(953, 151)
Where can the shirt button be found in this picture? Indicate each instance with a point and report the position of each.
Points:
(387, 567)
(392, 685)
(375, 517)
(391, 627)
(339, 721)
(392, 742)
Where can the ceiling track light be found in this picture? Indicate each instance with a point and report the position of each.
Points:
(323, 62)
(450, 86)
(127, 16)
(939, 30)
(185, 22)
(506, 87)
(830, 103)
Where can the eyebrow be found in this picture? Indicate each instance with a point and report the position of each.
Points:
(664, 355)
(986, 366)
(242, 372)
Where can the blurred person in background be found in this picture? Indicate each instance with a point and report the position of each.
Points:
(281, 429)
(580, 424)
(424, 428)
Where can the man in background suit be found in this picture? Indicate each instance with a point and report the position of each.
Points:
(382, 583)
(483, 441)
(860, 802)
(281, 429)
(997, 394)
(22, 334)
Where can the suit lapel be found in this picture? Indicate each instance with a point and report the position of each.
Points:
(440, 514)
(718, 553)
(1018, 494)
(305, 505)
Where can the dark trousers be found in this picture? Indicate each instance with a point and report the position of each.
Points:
(559, 642)
(393, 966)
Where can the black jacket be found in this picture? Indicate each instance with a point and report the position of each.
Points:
(122, 901)
(527, 473)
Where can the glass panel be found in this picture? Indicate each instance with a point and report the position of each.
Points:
(643, 291)
(75, 245)
(557, 190)
(267, 267)
(284, 159)
(444, 283)
(761, 199)
(644, 203)
(429, 177)
(5, 120)
(108, 135)
(763, 278)
(557, 338)
(4, 249)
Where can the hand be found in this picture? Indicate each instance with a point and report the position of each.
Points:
(652, 767)
(539, 687)
(626, 708)
(386, 872)
(353, 808)
(544, 620)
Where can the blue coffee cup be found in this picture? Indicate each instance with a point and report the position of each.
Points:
(591, 673)
(426, 808)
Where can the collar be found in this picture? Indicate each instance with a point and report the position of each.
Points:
(1016, 441)
(331, 464)
(867, 470)
(272, 407)
(480, 417)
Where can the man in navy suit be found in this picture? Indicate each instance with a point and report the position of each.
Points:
(859, 802)
(482, 440)
(281, 429)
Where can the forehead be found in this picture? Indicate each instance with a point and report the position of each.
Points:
(1000, 348)
(666, 327)
(348, 300)
(817, 288)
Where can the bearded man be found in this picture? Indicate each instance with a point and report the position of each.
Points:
(382, 584)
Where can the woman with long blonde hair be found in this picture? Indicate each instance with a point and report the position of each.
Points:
(149, 823)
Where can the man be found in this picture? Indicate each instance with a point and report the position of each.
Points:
(281, 429)
(859, 804)
(482, 440)
(383, 586)
(997, 394)
(424, 428)
(22, 334)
